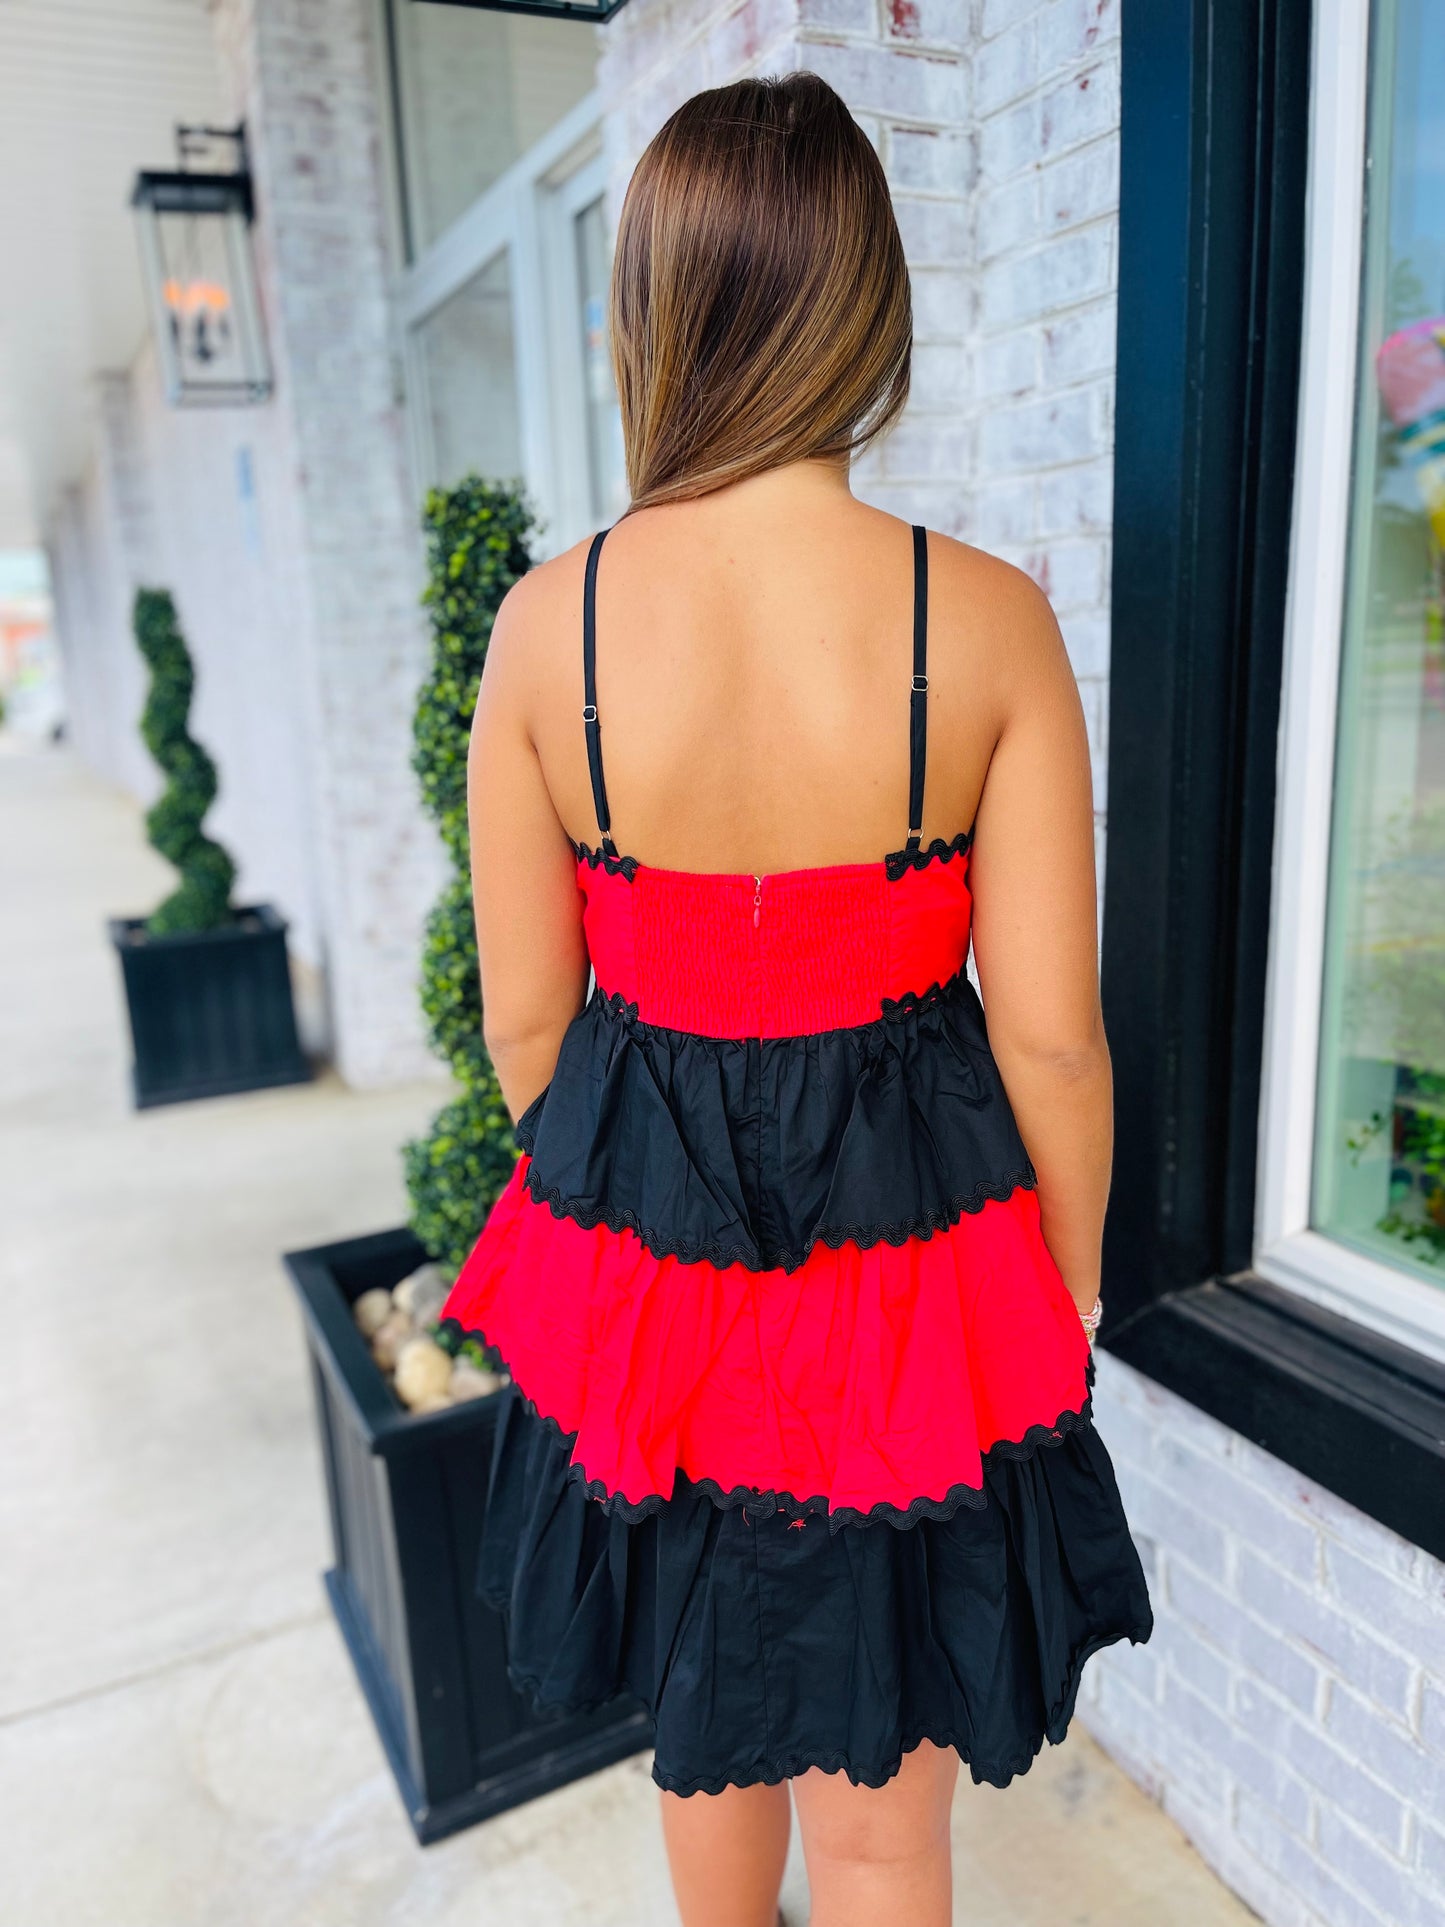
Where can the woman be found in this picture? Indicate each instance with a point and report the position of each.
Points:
(797, 1273)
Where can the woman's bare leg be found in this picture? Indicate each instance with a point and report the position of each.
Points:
(726, 1851)
(880, 1853)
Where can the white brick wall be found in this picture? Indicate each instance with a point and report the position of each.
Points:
(1289, 1711)
(1046, 96)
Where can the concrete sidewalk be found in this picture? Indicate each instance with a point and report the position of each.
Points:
(182, 1743)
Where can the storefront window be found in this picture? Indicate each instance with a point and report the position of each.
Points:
(475, 89)
(1379, 1181)
(465, 352)
(606, 469)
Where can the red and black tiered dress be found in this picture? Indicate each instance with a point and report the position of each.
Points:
(798, 1446)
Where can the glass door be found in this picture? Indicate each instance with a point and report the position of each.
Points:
(591, 479)
(500, 304)
(606, 468)
(465, 379)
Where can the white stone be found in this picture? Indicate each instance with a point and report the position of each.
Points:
(423, 1370)
(473, 1381)
(422, 1295)
(371, 1310)
(388, 1339)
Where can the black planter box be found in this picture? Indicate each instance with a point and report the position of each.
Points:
(407, 1495)
(210, 1013)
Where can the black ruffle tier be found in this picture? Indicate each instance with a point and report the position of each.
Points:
(763, 1643)
(751, 1151)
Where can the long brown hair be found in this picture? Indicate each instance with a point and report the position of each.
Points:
(760, 306)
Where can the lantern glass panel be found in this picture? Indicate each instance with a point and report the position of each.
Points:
(475, 90)
(204, 298)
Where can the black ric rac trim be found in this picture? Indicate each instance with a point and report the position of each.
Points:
(896, 864)
(451, 1334)
(720, 1255)
(617, 1005)
(898, 861)
(914, 1001)
(625, 866)
(911, 1003)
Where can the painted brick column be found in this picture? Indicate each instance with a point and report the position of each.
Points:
(304, 74)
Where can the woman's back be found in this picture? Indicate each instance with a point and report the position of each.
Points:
(754, 661)
(756, 714)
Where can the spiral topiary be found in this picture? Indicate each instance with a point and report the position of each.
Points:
(477, 547)
(173, 824)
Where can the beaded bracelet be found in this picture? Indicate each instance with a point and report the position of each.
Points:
(1090, 1319)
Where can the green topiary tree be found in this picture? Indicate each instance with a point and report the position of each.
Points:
(477, 537)
(203, 900)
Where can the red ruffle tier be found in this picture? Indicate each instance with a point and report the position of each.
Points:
(864, 1379)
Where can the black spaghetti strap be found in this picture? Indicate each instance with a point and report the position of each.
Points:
(589, 694)
(918, 698)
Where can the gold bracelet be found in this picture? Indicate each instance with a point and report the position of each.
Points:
(1090, 1319)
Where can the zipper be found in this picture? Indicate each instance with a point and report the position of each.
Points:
(757, 901)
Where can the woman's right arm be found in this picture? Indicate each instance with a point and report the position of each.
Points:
(1035, 938)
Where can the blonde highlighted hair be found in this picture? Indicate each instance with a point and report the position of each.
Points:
(760, 305)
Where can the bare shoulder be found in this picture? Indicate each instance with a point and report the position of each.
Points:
(537, 630)
(995, 627)
(979, 595)
(544, 600)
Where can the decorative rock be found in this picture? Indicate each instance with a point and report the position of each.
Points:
(471, 1381)
(371, 1310)
(388, 1339)
(423, 1371)
(422, 1295)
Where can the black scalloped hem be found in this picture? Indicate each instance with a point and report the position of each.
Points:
(834, 1237)
(451, 1335)
(992, 1773)
(867, 1773)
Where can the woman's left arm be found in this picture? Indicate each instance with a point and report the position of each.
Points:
(530, 943)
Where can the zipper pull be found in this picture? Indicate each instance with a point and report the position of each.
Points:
(757, 901)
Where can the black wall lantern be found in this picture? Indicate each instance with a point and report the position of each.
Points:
(194, 224)
(549, 9)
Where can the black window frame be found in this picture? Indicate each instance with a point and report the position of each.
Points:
(1214, 167)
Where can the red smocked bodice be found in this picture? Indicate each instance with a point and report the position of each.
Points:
(785, 955)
